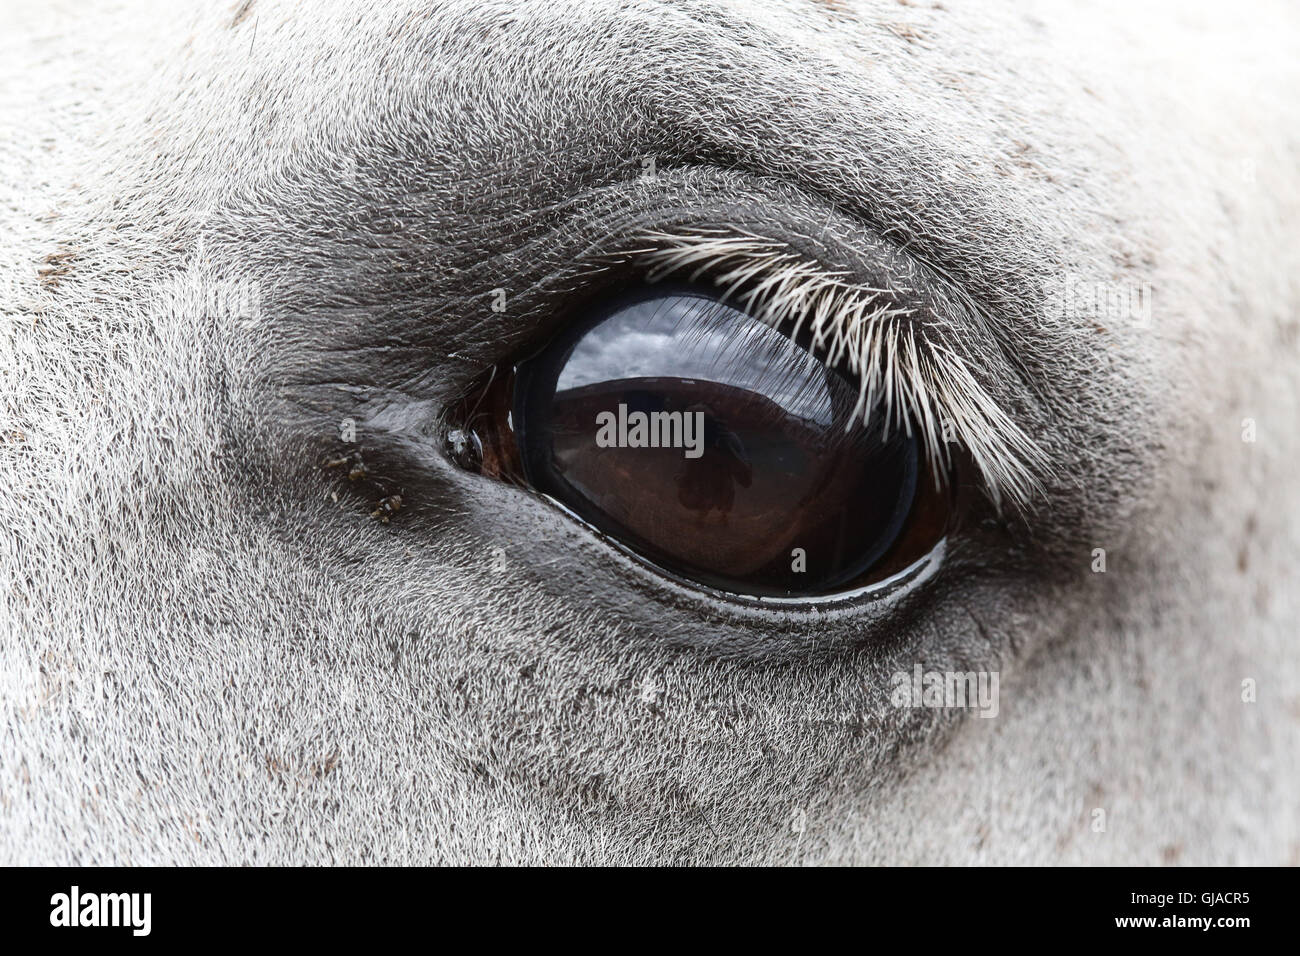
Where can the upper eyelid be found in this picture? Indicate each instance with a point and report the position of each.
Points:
(922, 382)
(597, 236)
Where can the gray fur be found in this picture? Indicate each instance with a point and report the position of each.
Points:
(225, 235)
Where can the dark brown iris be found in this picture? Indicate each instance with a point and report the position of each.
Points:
(714, 446)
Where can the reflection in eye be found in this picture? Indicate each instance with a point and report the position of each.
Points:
(716, 447)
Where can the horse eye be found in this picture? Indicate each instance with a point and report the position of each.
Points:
(715, 447)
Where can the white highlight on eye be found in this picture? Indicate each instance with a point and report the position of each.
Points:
(919, 386)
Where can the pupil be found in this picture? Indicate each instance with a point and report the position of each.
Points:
(713, 445)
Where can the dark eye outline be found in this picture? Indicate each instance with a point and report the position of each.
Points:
(939, 518)
(911, 533)
(1008, 472)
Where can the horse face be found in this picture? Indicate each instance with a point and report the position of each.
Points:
(259, 258)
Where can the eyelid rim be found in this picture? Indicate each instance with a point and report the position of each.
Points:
(896, 585)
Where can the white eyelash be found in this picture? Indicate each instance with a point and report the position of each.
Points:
(863, 328)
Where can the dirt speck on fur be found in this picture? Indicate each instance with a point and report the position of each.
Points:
(241, 13)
